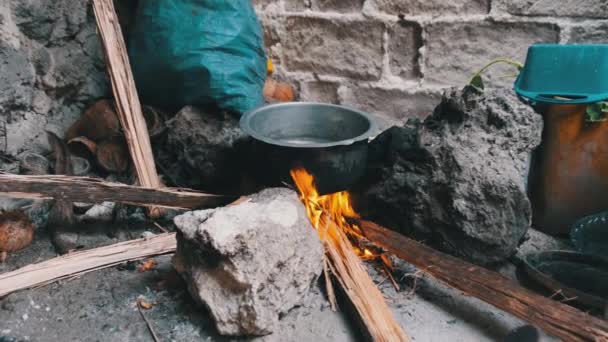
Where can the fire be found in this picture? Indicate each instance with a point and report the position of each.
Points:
(334, 207)
(344, 248)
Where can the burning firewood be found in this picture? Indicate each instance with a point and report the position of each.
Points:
(328, 215)
(555, 318)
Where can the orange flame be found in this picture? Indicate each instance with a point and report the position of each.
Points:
(337, 207)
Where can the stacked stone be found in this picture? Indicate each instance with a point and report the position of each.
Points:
(394, 57)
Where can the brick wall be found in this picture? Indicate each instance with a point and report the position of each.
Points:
(394, 57)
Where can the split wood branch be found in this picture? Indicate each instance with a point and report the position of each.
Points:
(87, 190)
(558, 319)
(82, 262)
(127, 101)
(358, 285)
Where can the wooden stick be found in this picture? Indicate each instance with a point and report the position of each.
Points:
(326, 214)
(82, 262)
(358, 285)
(147, 321)
(555, 318)
(84, 189)
(127, 101)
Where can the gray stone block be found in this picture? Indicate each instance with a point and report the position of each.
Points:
(579, 8)
(433, 7)
(265, 4)
(455, 51)
(404, 42)
(391, 106)
(337, 5)
(297, 5)
(318, 91)
(345, 48)
(590, 34)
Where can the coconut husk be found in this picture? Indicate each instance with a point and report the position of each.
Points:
(80, 166)
(82, 147)
(33, 164)
(16, 231)
(97, 123)
(155, 120)
(113, 155)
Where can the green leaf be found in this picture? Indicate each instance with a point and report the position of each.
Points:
(597, 111)
(477, 82)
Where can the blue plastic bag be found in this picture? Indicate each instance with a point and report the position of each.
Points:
(198, 52)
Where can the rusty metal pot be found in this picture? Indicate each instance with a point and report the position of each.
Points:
(569, 172)
(329, 141)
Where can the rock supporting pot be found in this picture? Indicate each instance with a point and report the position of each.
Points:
(457, 180)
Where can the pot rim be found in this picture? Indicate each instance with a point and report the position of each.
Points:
(246, 118)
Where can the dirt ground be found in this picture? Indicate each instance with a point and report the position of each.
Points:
(101, 306)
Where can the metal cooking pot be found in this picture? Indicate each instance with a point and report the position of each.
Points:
(329, 141)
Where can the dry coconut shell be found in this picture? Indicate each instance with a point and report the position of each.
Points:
(82, 147)
(98, 122)
(34, 164)
(113, 155)
(155, 120)
(16, 231)
(275, 91)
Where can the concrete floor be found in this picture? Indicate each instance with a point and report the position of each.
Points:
(101, 306)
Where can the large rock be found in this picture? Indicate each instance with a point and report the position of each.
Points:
(249, 263)
(201, 150)
(51, 67)
(457, 180)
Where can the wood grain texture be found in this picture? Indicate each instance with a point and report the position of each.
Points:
(128, 107)
(78, 263)
(92, 190)
(555, 318)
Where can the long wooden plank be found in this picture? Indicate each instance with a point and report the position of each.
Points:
(127, 101)
(91, 190)
(82, 262)
(555, 318)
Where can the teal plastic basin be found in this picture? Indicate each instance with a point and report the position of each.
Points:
(564, 74)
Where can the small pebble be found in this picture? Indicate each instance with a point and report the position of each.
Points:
(25, 317)
(147, 235)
